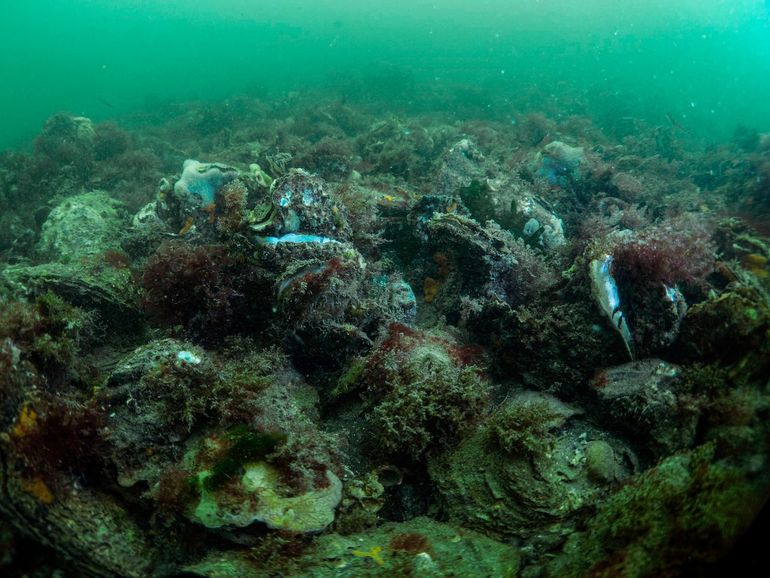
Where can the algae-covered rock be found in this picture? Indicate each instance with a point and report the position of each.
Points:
(87, 527)
(109, 291)
(151, 357)
(601, 463)
(305, 203)
(83, 225)
(462, 166)
(559, 164)
(154, 396)
(65, 138)
(420, 547)
(728, 328)
(327, 296)
(641, 399)
(17, 237)
(259, 497)
(159, 396)
(532, 487)
(670, 521)
(41, 345)
(492, 193)
(421, 393)
(241, 477)
(410, 364)
(484, 262)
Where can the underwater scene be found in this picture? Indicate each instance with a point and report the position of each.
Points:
(418, 288)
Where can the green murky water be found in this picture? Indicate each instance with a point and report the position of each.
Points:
(705, 63)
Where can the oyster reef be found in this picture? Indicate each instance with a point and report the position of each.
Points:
(426, 289)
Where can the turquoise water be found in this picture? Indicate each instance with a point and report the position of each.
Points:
(705, 63)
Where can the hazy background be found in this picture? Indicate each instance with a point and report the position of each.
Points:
(705, 62)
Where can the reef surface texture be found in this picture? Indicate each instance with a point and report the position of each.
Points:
(317, 342)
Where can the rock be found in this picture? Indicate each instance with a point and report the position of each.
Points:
(306, 205)
(401, 301)
(462, 166)
(730, 327)
(483, 261)
(259, 497)
(422, 389)
(667, 510)
(533, 492)
(110, 292)
(601, 465)
(16, 236)
(148, 230)
(327, 295)
(541, 225)
(84, 225)
(419, 547)
(319, 292)
(152, 398)
(655, 313)
(147, 218)
(150, 357)
(67, 139)
(87, 526)
(640, 400)
(492, 194)
(629, 188)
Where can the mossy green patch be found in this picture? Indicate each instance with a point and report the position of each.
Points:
(247, 446)
(523, 428)
(350, 378)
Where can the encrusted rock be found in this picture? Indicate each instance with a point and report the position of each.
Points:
(640, 400)
(305, 204)
(153, 397)
(529, 492)
(418, 547)
(492, 193)
(84, 524)
(109, 291)
(483, 261)
(729, 327)
(462, 166)
(83, 225)
(259, 497)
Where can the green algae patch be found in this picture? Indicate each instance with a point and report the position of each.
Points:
(259, 497)
(247, 446)
(236, 486)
